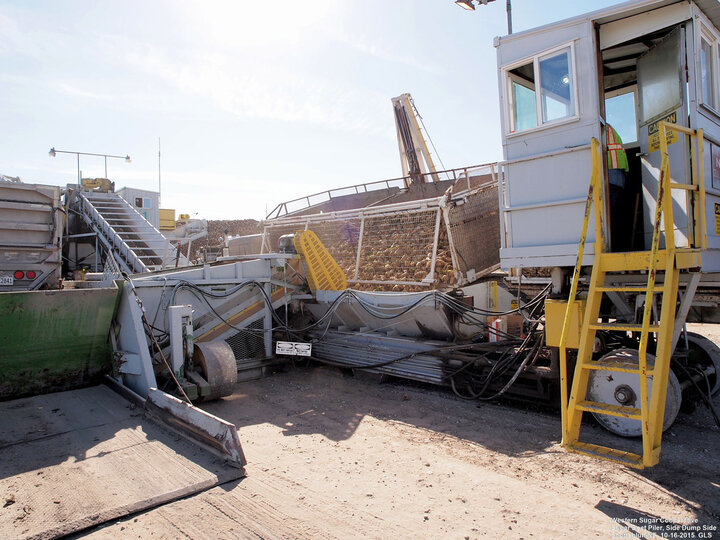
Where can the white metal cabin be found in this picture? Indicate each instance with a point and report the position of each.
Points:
(631, 65)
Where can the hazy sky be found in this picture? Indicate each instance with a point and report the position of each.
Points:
(255, 102)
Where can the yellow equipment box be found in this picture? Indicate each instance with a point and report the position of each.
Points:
(167, 219)
(554, 319)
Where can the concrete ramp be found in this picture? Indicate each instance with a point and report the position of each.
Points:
(73, 460)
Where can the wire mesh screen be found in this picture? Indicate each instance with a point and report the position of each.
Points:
(248, 343)
(340, 237)
(398, 247)
(475, 230)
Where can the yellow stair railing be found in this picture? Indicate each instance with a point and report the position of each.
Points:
(668, 260)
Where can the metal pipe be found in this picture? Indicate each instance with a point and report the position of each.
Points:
(508, 8)
(709, 370)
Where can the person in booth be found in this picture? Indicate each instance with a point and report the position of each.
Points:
(617, 170)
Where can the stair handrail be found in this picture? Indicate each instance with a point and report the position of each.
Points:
(143, 226)
(697, 177)
(594, 198)
(94, 216)
(663, 215)
(151, 228)
(663, 222)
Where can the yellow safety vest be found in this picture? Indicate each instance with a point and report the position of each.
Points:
(617, 158)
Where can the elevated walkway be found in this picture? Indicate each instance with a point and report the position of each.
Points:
(136, 244)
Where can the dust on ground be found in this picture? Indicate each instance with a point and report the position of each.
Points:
(335, 456)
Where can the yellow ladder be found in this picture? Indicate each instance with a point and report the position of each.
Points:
(669, 261)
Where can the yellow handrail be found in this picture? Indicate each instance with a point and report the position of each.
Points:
(594, 197)
(696, 188)
(656, 259)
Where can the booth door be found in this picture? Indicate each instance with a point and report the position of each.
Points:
(662, 95)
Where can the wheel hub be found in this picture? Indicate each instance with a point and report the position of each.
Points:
(624, 395)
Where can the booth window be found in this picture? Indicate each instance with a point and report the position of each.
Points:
(541, 90)
(708, 66)
(707, 73)
(522, 86)
(142, 202)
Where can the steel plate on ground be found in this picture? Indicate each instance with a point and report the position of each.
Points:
(73, 460)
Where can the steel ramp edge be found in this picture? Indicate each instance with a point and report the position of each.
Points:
(208, 431)
(204, 429)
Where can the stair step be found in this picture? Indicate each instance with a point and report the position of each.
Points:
(611, 410)
(617, 367)
(610, 454)
(623, 327)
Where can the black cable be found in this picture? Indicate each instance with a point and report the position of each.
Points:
(707, 398)
(501, 367)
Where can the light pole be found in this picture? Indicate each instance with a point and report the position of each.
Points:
(468, 4)
(78, 154)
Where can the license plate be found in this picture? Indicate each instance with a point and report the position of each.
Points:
(7, 280)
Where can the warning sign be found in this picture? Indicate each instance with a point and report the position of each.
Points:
(717, 219)
(671, 137)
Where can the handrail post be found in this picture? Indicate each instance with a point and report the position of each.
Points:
(593, 197)
(701, 189)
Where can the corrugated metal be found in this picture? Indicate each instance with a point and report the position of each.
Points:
(358, 350)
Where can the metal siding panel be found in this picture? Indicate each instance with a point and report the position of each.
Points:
(561, 177)
(536, 228)
(557, 177)
(548, 180)
(617, 32)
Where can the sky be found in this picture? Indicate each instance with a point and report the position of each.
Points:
(254, 102)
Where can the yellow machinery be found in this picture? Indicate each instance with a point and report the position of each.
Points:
(322, 271)
(102, 185)
(414, 153)
(654, 373)
(167, 219)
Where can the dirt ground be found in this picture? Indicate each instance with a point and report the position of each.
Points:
(336, 456)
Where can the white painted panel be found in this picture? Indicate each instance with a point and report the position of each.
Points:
(623, 30)
(565, 176)
(541, 227)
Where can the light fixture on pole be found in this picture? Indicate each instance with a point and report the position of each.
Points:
(465, 4)
(468, 4)
(53, 152)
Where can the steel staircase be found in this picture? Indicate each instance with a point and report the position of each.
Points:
(136, 245)
(662, 267)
